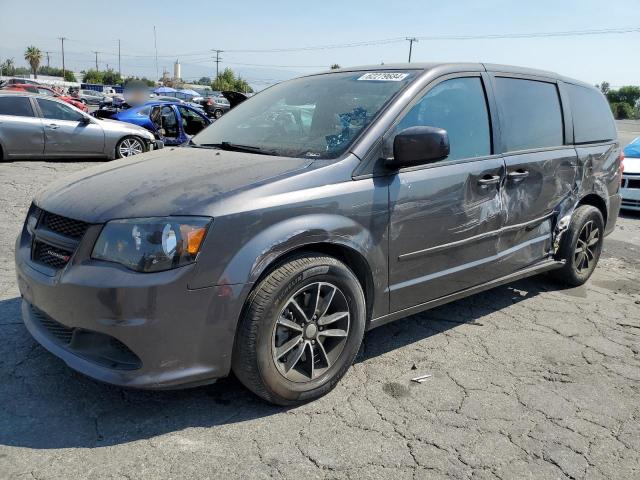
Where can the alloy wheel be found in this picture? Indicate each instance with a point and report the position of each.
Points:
(129, 147)
(586, 247)
(311, 332)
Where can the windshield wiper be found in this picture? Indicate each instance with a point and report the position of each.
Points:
(235, 147)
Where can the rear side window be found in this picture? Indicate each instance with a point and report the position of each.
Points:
(16, 106)
(460, 107)
(530, 114)
(592, 118)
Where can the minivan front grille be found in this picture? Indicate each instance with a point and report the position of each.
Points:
(64, 226)
(49, 255)
(55, 251)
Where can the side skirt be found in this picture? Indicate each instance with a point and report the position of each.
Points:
(540, 267)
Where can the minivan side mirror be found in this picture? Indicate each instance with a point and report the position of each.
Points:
(419, 145)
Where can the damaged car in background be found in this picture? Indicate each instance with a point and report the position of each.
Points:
(316, 210)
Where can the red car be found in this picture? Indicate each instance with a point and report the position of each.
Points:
(41, 89)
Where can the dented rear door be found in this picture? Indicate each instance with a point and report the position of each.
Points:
(540, 167)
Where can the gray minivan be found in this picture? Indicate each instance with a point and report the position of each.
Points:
(318, 209)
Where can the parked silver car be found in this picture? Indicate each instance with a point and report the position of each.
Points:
(39, 126)
(91, 97)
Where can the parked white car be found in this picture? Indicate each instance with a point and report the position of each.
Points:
(630, 190)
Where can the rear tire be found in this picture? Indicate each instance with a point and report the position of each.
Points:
(580, 246)
(217, 113)
(300, 331)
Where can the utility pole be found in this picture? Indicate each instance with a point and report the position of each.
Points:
(62, 39)
(47, 54)
(96, 59)
(119, 71)
(155, 45)
(217, 60)
(411, 40)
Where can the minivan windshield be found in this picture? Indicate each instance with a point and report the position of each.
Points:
(317, 116)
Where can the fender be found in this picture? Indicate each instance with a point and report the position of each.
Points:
(254, 257)
(249, 262)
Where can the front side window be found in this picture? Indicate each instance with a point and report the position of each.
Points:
(318, 116)
(458, 106)
(15, 106)
(530, 114)
(58, 111)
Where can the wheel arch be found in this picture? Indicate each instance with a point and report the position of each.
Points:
(353, 259)
(596, 201)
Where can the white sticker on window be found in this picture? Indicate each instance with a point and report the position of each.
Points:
(384, 76)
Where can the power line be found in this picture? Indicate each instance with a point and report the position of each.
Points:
(386, 41)
(567, 33)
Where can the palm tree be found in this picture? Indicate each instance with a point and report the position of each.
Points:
(33, 55)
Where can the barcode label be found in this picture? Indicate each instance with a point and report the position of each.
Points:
(384, 76)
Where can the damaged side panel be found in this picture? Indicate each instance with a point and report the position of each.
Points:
(539, 194)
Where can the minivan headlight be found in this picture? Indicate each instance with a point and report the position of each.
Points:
(151, 244)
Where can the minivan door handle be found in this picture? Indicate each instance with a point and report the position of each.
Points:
(518, 174)
(489, 180)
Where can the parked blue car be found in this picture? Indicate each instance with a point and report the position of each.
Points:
(633, 149)
(172, 122)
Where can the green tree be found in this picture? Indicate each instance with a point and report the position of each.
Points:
(33, 55)
(227, 80)
(627, 94)
(335, 66)
(92, 76)
(57, 72)
(604, 87)
(8, 67)
(144, 81)
(622, 111)
(111, 77)
(204, 81)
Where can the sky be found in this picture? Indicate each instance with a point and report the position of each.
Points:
(189, 30)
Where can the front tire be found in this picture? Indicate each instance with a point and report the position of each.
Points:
(130, 146)
(580, 246)
(300, 331)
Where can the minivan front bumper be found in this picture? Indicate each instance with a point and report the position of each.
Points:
(127, 328)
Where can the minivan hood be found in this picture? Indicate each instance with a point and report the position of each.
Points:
(172, 181)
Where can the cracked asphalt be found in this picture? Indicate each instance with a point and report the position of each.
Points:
(528, 381)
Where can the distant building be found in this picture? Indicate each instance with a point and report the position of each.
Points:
(177, 72)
